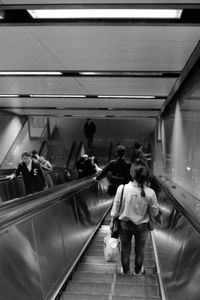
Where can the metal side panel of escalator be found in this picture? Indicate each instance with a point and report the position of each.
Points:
(96, 279)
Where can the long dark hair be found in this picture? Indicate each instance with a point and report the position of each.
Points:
(140, 172)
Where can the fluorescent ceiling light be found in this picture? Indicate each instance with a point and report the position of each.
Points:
(1, 14)
(57, 96)
(29, 73)
(122, 73)
(7, 95)
(127, 97)
(105, 13)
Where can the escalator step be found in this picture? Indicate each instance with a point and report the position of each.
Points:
(92, 277)
(100, 253)
(100, 260)
(150, 280)
(136, 290)
(66, 296)
(89, 288)
(133, 298)
(119, 289)
(107, 268)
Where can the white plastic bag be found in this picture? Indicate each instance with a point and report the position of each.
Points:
(111, 248)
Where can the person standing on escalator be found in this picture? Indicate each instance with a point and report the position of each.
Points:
(139, 202)
(89, 131)
(33, 176)
(117, 170)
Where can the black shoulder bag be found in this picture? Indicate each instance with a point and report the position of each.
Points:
(116, 223)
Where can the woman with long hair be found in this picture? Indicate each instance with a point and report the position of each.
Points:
(138, 202)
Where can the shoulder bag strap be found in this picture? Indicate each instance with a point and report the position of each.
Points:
(120, 204)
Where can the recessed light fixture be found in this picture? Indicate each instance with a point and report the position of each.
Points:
(30, 73)
(105, 13)
(127, 96)
(1, 14)
(56, 96)
(8, 96)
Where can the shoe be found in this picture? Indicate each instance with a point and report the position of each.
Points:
(125, 273)
(142, 272)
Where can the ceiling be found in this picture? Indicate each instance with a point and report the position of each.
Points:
(131, 56)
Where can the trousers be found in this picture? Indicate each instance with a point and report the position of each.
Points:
(140, 232)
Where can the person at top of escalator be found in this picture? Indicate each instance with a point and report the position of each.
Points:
(139, 203)
(117, 170)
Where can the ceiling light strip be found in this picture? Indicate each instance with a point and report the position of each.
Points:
(105, 13)
(29, 73)
(127, 96)
(56, 96)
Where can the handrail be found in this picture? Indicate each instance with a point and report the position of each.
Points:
(189, 217)
(110, 151)
(70, 153)
(41, 147)
(28, 205)
(79, 150)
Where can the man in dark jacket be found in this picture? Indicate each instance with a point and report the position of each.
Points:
(32, 174)
(138, 153)
(117, 170)
(89, 131)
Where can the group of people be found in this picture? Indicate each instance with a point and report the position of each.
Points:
(129, 183)
(34, 170)
(87, 166)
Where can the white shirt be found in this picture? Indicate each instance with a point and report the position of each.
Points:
(29, 166)
(135, 207)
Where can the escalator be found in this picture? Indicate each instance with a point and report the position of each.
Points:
(51, 247)
(96, 279)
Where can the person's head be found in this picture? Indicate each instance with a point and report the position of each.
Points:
(34, 154)
(140, 173)
(120, 151)
(42, 160)
(137, 146)
(26, 157)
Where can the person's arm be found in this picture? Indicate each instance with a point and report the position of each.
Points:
(103, 173)
(115, 208)
(16, 173)
(48, 165)
(41, 174)
(153, 205)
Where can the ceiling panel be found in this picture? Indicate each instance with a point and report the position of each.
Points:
(93, 47)
(127, 86)
(83, 103)
(85, 113)
(86, 85)
(94, 1)
(38, 85)
(21, 51)
(119, 47)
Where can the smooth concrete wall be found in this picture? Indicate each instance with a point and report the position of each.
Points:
(181, 138)
(10, 126)
(115, 130)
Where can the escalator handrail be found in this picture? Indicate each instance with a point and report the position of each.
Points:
(194, 222)
(22, 207)
(70, 154)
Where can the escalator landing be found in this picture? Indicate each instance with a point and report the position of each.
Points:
(97, 280)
